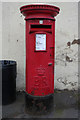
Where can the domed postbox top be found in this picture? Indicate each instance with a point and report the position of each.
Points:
(39, 11)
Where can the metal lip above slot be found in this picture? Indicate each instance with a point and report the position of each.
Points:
(40, 27)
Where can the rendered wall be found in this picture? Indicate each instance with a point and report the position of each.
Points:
(67, 42)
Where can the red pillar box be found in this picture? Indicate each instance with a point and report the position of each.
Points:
(40, 49)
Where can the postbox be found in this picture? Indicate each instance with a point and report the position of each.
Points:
(40, 48)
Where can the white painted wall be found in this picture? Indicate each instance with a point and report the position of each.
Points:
(13, 42)
(0, 30)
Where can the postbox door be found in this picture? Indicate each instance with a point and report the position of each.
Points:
(40, 63)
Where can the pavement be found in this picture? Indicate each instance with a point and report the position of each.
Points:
(65, 105)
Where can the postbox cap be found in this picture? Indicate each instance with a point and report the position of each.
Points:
(39, 11)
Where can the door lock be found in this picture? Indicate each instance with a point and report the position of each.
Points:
(49, 64)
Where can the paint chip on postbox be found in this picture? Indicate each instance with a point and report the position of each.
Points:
(41, 42)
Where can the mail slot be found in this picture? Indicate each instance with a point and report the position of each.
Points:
(40, 48)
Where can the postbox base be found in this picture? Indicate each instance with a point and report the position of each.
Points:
(38, 105)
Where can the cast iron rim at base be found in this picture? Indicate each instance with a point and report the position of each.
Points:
(38, 105)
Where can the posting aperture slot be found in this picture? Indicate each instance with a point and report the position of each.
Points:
(39, 27)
